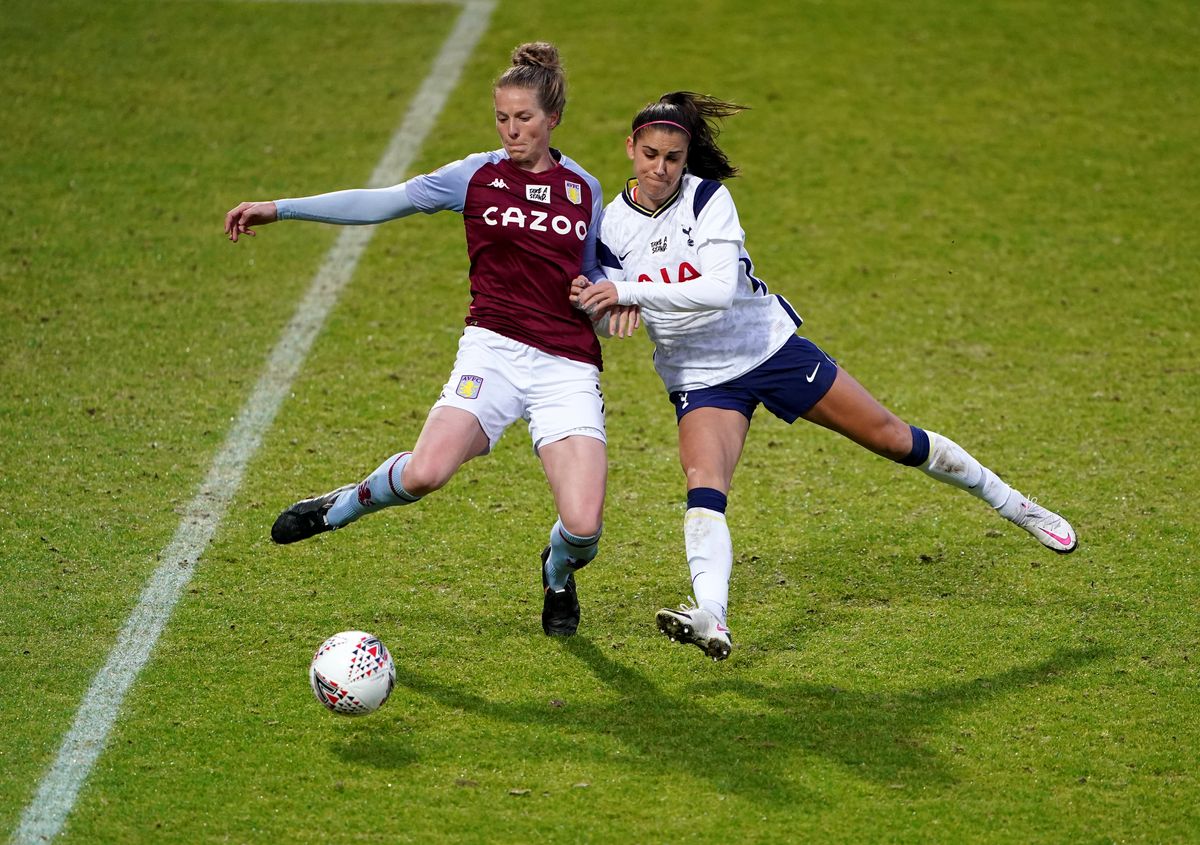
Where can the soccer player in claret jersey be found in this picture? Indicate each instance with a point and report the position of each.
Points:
(672, 244)
(531, 217)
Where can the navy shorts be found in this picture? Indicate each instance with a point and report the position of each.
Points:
(787, 384)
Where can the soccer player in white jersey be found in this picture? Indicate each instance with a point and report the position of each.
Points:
(531, 216)
(672, 244)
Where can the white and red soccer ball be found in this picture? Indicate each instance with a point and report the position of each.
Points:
(352, 673)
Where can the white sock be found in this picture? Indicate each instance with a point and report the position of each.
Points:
(567, 553)
(1012, 509)
(710, 558)
(381, 489)
(950, 463)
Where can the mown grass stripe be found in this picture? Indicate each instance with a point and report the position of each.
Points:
(46, 814)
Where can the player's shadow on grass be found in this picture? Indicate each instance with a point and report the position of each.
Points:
(754, 729)
(884, 737)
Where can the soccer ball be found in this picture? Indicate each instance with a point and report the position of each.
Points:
(352, 673)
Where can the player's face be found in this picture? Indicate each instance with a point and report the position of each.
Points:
(659, 155)
(524, 128)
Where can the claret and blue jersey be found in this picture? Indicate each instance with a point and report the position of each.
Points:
(528, 235)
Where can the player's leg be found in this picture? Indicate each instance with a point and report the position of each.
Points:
(477, 403)
(849, 409)
(576, 468)
(450, 438)
(566, 423)
(710, 445)
(711, 439)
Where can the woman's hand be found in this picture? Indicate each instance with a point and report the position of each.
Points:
(577, 285)
(239, 220)
(618, 320)
(594, 299)
(624, 320)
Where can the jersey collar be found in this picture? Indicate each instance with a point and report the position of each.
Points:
(630, 196)
(555, 154)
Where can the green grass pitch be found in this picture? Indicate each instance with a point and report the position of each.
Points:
(986, 210)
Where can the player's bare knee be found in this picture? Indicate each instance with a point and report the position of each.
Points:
(583, 522)
(424, 477)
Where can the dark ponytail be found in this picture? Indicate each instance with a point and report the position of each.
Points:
(698, 115)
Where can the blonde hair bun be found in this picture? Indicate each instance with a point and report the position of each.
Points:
(537, 54)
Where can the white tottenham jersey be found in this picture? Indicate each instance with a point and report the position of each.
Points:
(707, 329)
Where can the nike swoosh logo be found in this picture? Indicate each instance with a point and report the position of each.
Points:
(623, 257)
(813, 374)
(1066, 541)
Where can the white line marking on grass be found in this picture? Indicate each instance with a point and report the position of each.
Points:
(46, 814)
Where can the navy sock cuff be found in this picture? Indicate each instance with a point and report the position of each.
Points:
(707, 497)
(920, 448)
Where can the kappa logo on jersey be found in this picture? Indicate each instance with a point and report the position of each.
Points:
(684, 273)
(659, 245)
(469, 386)
(536, 221)
(498, 183)
(538, 193)
(574, 192)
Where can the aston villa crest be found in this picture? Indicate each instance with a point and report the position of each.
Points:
(468, 386)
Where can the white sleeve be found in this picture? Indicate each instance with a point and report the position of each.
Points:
(713, 290)
(719, 238)
(718, 220)
(610, 265)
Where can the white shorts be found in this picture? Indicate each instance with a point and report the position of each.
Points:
(500, 380)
